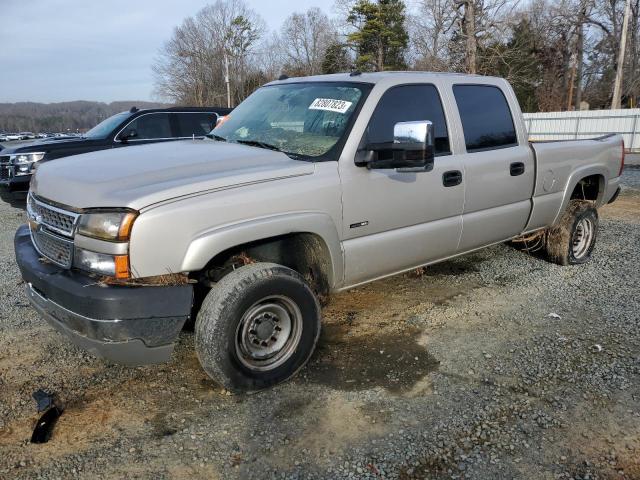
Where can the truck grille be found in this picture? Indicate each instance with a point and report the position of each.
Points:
(53, 247)
(4, 167)
(55, 219)
(52, 231)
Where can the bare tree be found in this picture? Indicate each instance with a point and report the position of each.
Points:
(429, 28)
(476, 24)
(270, 58)
(305, 37)
(190, 68)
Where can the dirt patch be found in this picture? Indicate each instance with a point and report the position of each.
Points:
(338, 422)
(625, 208)
(370, 356)
(604, 435)
(370, 336)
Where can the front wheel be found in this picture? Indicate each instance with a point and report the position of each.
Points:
(572, 239)
(257, 327)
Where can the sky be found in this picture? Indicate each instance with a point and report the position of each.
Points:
(63, 50)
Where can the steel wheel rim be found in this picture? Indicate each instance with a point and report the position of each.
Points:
(582, 238)
(268, 333)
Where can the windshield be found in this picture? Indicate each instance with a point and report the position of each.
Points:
(107, 126)
(303, 120)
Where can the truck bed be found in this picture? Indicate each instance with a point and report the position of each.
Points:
(561, 164)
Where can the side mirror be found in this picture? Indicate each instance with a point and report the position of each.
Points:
(411, 151)
(125, 136)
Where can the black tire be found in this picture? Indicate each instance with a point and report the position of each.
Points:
(563, 243)
(245, 296)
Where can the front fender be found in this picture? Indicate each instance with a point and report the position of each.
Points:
(210, 243)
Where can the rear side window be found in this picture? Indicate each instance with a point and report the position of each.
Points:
(486, 118)
(407, 103)
(149, 126)
(197, 123)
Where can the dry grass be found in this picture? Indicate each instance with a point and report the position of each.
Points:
(168, 280)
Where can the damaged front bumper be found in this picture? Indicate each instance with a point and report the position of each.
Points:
(132, 325)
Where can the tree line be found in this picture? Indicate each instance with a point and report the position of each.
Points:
(61, 117)
(556, 53)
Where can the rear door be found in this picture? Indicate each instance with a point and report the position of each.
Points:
(498, 165)
(194, 124)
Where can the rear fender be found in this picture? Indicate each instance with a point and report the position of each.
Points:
(574, 179)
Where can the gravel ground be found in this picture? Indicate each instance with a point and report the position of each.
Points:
(456, 373)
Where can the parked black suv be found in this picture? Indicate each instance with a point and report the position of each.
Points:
(134, 127)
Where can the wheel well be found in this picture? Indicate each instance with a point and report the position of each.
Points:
(589, 188)
(306, 253)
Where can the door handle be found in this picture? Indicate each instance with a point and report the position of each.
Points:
(452, 178)
(516, 168)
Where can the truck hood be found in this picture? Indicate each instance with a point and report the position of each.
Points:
(43, 144)
(137, 177)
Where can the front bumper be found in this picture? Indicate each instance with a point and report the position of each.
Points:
(16, 184)
(125, 324)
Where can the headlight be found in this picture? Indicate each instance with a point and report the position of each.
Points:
(115, 226)
(110, 265)
(22, 158)
(25, 162)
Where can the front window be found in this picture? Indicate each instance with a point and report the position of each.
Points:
(406, 103)
(104, 128)
(304, 120)
(148, 126)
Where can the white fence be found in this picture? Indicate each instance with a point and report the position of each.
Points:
(586, 124)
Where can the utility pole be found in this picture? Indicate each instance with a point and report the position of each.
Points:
(615, 101)
(226, 78)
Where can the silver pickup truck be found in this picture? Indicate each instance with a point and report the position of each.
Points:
(310, 186)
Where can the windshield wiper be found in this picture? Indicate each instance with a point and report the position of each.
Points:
(268, 146)
(216, 137)
(258, 143)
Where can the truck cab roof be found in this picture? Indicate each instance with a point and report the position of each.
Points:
(377, 77)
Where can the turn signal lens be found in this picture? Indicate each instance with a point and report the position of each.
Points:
(122, 266)
(116, 266)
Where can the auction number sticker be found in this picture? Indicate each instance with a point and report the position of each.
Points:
(330, 104)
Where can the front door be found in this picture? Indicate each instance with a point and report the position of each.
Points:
(393, 221)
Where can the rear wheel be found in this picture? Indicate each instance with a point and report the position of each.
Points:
(257, 327)
(572, 239)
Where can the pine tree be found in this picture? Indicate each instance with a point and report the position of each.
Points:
(380, 39)
(335, 59)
